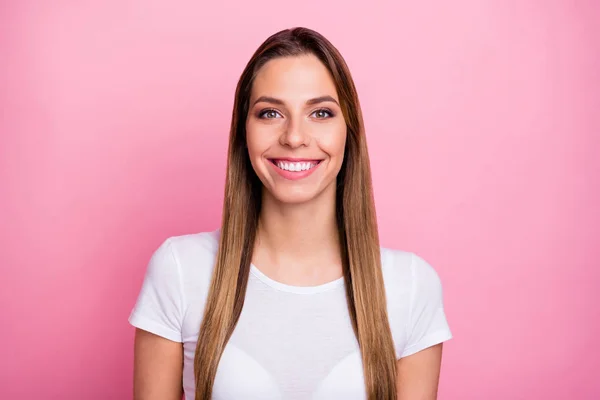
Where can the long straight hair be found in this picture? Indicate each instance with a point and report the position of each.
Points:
(356, 221)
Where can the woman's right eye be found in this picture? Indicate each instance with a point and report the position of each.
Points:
(268, 114)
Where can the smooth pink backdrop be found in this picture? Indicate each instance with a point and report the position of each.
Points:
(483, 126)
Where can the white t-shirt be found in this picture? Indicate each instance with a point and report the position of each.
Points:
(290, 342)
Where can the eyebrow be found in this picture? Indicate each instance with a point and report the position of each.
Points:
(316, 100)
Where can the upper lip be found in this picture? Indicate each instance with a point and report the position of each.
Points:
(290, 159)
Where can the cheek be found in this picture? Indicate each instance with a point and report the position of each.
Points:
(334, 142)
(253, 147)
(255, 141)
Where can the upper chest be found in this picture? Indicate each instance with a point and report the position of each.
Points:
(291, 346)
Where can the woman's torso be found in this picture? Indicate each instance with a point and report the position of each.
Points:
(290, 342)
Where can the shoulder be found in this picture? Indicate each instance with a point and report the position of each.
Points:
(176, 284)
(410, 282)
(414, 301)
(191, 250)
(184, 261)
(405, 271)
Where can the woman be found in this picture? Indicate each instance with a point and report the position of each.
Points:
(292, 298)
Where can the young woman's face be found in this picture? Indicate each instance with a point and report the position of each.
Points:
(295, 129)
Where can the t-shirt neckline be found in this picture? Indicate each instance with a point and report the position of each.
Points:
(295, 289)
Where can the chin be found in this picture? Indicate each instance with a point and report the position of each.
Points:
(293, 197)
(302, 194)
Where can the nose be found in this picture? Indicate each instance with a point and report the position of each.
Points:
(294, 135)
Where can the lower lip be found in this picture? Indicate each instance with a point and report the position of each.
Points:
(294, 175)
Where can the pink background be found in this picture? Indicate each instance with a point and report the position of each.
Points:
(483, 126)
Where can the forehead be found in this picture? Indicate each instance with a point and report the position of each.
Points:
(295, 78)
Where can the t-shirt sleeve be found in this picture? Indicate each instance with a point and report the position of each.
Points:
(159, 306)
(427, 320)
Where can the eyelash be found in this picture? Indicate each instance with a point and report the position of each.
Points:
(262, 113)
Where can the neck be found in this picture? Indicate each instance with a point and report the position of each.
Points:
(304, 235)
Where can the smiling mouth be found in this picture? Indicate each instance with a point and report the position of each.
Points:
(295, 166)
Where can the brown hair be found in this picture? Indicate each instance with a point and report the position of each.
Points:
(355, 218)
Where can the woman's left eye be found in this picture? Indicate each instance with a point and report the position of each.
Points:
(323, 113)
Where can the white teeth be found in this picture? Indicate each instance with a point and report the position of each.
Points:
(295, 167)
